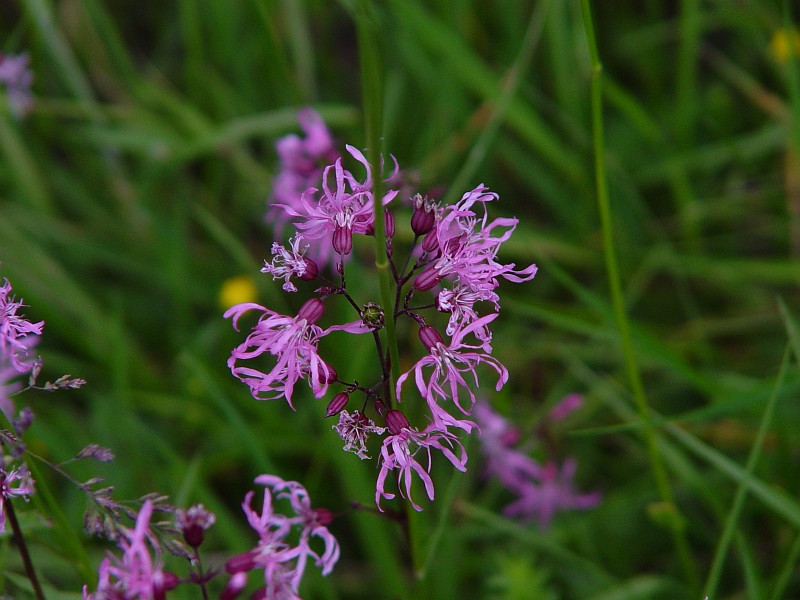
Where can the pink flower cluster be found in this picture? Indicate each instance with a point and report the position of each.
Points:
(282, 552)
(453, 257)
(18, 337)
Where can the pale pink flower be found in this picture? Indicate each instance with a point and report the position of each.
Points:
(311, 522)
(399, 453)
(354, 430)
(452, 371)
(291, 263)
(460, 303)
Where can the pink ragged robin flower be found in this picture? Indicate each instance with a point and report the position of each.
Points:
(283, 562)
(16, 77)
(354, 430)
(312, 522)
(341, 210)
(138, 573)
(498, 437)
(301, 164)
(468, 249)
(15, 331)
(453, 371)
(399, 453)
(293, 342)
(291, 263)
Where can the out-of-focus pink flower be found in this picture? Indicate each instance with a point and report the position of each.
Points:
(553, 491)
(138, 573)
(14, 483)
(283, 562)
(566, 406)
(399, 453)
(450, 364)
(498, 437)
(541, 490)
(301, 164)
(17, 77)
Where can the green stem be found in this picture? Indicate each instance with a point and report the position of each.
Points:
(373, 121)
(631, 364)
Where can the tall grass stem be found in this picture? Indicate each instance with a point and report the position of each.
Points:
(631, 365)
(725, 539)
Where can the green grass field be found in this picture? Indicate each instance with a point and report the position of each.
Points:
(668, 291)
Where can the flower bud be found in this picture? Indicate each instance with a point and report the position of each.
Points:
(424, 216)
(396, 422)
(311, 311)
(323, 516)
(372, 316)
(193, 522)
(388, 223)
(430, 242)
(338, 404)
(242, 562)
(428, 278)
(430, 337)
(311, 270)
(380, 407)
(343, 240)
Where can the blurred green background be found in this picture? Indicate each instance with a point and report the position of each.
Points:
(136, 188)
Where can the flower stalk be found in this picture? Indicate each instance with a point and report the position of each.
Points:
(631, 365)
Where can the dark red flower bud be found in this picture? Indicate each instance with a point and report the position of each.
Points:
(430, 337)
(343, 240)
(241, 562)
(422, 219)
(332, 374)
(324, 516)
(380, 407)
(388, 223)
(311, 270)
(167, 581)
(430, 243)
(396, 422)
(337, 405)
(428, 278)
(311, 311)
